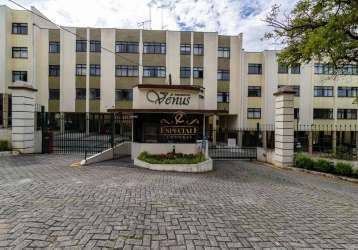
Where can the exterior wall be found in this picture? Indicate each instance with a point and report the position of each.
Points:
(173, 56)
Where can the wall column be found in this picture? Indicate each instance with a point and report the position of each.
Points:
(310, 141)
(214, 129)
(284, 130)
(264, 139)
(334, 141)
(23, 117)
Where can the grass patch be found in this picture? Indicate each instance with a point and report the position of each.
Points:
(172, 158)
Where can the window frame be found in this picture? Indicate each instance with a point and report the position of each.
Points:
(323, 90)
(329, 112)
(95, 70)
(347, 90)
(51, 96)
(223, 75)
(128, 47)
(131, 71)
(186, 70)
(346, 114)
(20, 50)
(81, 45)
(198, 72)
(81, 93)
(154, 71)
(80, 68)
(282, 68)
(54, 70)
(95, 46)
(253, 88)
(23, 27)
(94, 94)
(21, 73)
(154, 48)
(294, 71)
(224, 52)
(56, 45)
(198, 49)
(128, 93)
(254, 112)
(223, 97)
(185, 49)
(257, 66)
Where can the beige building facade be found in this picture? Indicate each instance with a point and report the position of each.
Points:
(91, 70)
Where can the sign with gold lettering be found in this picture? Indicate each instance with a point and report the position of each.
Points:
(166, 98)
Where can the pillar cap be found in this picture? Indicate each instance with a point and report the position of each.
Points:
(22, 85)
(284, 90)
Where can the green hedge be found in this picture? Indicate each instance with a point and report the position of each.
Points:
(321, 165)
(4, 146)
(172, 158)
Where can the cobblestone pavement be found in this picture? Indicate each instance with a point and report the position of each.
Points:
(45, 203)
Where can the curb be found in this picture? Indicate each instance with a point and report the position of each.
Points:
(332, 176)
(8, 153)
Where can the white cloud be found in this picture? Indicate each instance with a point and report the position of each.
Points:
(224, 16)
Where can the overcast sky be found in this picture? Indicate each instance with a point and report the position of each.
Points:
(224, 16)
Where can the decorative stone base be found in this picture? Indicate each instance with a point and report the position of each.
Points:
(205, 166)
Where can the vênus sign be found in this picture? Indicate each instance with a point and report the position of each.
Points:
(166, 98)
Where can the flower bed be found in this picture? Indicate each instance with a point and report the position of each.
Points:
(172, 158)
(321, 165)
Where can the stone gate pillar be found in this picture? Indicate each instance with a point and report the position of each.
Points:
(23, 117)
(284, 130)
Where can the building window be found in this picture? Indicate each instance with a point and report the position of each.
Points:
(95, 46)
(154, 48)
(80, 94)
(198, 49)
(282, 69)
(81, 69)
(126, 70)
(254, 69)
(253, 113)
(322, 113)
(95, 70)
(223, 75)
(223, 97)
(323, 69)
(185, 72)
(54, 70)
(153, 71)
(296, 69)
(185, 49)
(54, 47)
(254, 91)
(19, 28)
(295, 88)
(296, 113)
(124, 94)
(350, 114)
(198, 72)
(127, 47)
(54, 94)
(95, 94)
(19, 76)
(348, 69)
(323, 91)
(19, 52)
(224, 52)
(347, 91)
(81, 45)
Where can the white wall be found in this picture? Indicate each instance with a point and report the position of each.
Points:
(163, 148)
(210, 70)
(306, 93)
(5, 22)
(173, 56)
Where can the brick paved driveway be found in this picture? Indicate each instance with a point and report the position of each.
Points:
(46, 203)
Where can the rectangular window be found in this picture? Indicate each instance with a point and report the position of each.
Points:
(95, 46)
(19, 28)
(296, 113)
(95, 70)
(19, 52)
(323, 69)
(348, 69)
(322, 113)
(223, 97)
(349, 114)
(127, 47)
(54, 70)
(81, 45)
(81, 69)
(282, 69)
(224, 52)
(296, 69)
(323, 91)
(198, 72)
(153, 71)
(198, 49)
(347, 91)
(126, 70)
(253, 113)
(185, 72)
(54, 47)
(95, 94)
(80, 94)
(254, 91)
(295, 88)
(54, 94)
(223, 75)
(19, 76)
(185, 49)
(124, 94)
(154, 48)
(254, 69)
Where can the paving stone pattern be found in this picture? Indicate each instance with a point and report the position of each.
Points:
(45, 203)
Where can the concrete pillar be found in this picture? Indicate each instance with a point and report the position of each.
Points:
(214, 130)
(264, 139)
(334, 142)
(239, 138)
(23, 117)
(62, 122)
(310, 141)
(87, 123)
(284, 130)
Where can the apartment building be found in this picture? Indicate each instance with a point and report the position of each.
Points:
(90, 70)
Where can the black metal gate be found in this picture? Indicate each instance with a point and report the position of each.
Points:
(85, 134)
(225, 152)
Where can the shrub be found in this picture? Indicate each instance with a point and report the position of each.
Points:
(172, 158)
(355, 172)
(4, 146)
(303, 161)
(324, 166)
(344, 169)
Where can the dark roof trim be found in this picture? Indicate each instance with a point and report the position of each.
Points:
(201, 111)
(166, 86)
